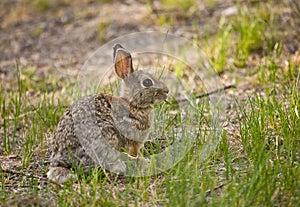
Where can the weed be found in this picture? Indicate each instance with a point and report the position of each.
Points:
(220, 50)
(102, 30)
(182, 4)
(42, 5)
(252, 33)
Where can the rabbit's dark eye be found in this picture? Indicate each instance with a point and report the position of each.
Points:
(147, 82)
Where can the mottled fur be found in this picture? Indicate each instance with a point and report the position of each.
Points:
(124, 122)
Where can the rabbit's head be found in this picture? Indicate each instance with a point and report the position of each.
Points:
(140, 88)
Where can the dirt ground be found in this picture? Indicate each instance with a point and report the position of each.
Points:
(66, 34)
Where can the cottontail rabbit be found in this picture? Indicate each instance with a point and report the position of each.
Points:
(124, 122)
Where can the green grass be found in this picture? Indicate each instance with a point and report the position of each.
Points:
(256, 164)
(220, 49)
(250, 31)
(181, 4)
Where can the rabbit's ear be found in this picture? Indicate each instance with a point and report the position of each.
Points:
(122, 61)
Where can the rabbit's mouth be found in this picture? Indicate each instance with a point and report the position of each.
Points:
(160, 95)
(146, 97)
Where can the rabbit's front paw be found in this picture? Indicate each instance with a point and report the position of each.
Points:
(60, 175)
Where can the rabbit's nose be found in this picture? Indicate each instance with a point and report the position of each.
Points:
(166, 90)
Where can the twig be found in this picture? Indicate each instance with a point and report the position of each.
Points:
(29, 175)
(207, 94)
(208, 192)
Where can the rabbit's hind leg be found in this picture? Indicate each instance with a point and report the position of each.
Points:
(60, 175)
